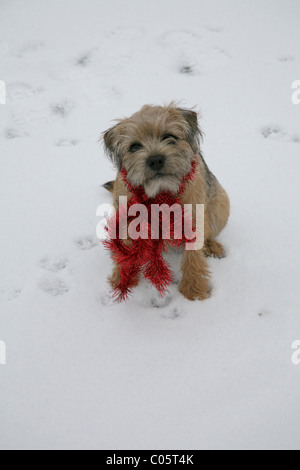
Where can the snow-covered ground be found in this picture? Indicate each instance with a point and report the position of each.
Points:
(82, 372)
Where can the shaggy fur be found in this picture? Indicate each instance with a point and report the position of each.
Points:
(157, 146)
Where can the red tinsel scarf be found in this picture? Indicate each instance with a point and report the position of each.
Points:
(145, 256)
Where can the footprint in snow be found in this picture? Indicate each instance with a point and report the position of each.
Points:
(54, 287)
(113, 63)
(87, 243)
(161, 302)
(22, 91)
(31, 46)
(215, 28)
(67, 142)
(173, 314)
(275, 132)
(53, 265)
(195, 54)
(10, 294)
(285, 58)
(211, 57)
(62, 109)
(187, 70)
(127, 33)
(106, 300)
(179, 37)
(84, 59)
(264, 313)
(12, 133)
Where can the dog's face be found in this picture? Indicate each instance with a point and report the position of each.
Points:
(156, 146)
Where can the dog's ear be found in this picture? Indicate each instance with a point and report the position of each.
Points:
(193, 131)
(112, 146)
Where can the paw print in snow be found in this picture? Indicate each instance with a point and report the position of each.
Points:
(275, 132)
(10, 294)
(161, 302)
(54, 287)
(286, 58)
(62, 109)
(87, 243)
(67, 142)
(173, 314)
(54, 265)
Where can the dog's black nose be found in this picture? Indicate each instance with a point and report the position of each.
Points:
(156, 163)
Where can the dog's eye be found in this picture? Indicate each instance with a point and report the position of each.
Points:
(171, 139)
(135, 147)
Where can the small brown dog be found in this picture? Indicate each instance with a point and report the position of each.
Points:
(157, 146)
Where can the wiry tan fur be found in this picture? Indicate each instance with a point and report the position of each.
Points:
(132, 141)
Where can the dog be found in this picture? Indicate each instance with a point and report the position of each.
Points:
(157, 146)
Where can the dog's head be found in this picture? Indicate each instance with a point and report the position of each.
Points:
(156, 146)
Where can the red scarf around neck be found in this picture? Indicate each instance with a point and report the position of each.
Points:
(145, 256)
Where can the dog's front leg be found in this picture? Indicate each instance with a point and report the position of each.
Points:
(195, 280)
(115, 277)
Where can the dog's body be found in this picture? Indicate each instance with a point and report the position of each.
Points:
(157, 146)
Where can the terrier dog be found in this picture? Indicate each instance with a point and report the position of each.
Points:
(157, 146)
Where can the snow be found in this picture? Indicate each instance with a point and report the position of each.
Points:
(83, 372)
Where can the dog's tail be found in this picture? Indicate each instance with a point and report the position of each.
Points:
(110, 186)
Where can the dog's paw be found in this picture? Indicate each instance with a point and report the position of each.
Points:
(214, 249)
(115, 278)
(200, 291)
